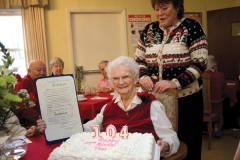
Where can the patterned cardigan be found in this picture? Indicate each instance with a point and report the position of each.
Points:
(179, 56)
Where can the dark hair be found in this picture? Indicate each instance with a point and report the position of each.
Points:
(176, 3)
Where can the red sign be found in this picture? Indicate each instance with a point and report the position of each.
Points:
(139, 18)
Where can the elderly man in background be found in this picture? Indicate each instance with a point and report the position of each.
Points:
(103, 83)
(218, 86)
(57, 66)
(218, 82)
(29, 116)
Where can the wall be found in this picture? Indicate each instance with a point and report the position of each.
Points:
(56, 25)
(220, 32)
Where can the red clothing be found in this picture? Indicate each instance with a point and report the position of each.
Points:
(218, 87)
(28, 116)
(137, 119)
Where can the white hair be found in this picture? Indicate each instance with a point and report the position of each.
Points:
(211, 62)
(123, 61)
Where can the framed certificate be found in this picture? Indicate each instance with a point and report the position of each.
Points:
(59, 107)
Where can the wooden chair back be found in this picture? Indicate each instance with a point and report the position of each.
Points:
(207, 108)
(169, 99)
(208, 116)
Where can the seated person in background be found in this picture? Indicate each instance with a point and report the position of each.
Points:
(103, 82)
(29, 116)
(217, 83)
(57, 66)
(15, 129)
(140, 115)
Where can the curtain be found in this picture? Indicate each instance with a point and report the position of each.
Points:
(23, 3)
(34, 34)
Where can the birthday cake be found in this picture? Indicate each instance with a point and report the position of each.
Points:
(137, 146)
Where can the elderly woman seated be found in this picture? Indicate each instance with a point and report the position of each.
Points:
(57, 66)
(15, 129)
(140, 114)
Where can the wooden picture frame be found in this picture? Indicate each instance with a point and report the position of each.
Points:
(194, 15)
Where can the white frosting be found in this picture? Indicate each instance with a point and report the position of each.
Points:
(83, 146)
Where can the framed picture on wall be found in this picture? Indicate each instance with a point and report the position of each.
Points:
(194, 15)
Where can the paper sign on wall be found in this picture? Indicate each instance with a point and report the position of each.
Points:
(136, 25)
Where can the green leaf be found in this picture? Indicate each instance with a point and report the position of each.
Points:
(3, 91)
(12, 98)
(10, 79)
(4, 103)
(2, 82)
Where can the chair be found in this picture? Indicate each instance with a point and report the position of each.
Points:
(208, 116)
(169, 99)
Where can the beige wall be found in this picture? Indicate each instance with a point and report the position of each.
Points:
(56, 21)
(238, 2)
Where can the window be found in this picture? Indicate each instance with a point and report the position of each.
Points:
(11, 35)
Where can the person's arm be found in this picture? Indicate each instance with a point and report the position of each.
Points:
(29, 114)
(15, 128)
(140, 53)
(164, 130)
(32, 131)
(87, 127)
(198, 50)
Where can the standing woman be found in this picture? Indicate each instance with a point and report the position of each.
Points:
(57, 66)
(172, 53)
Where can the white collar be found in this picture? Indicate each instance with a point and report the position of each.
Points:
(136, 100)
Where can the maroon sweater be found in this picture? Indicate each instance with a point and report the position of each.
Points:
(138, 119)
(28, 116)
(218, 88)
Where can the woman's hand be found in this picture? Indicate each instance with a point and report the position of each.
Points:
(163, 85)
(146, 82)
(41, 125)
(33, 131)
(164, 147)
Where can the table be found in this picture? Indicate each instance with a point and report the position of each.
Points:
(231, 91)
(230, 107)
(89, 108)
(38, 150)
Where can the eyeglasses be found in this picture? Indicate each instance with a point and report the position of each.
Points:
(124, 78)
(58, 66)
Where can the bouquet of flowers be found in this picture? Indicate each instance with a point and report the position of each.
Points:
(9, 99)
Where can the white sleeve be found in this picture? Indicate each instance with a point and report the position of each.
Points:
(163, 127)
(87, 127)
(15, 128)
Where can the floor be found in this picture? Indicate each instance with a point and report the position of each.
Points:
(222, 149)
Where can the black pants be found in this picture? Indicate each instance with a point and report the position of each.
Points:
(190, 122)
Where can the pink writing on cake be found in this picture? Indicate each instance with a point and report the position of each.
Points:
(107, 142)
(89, 143)
(100, 148)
